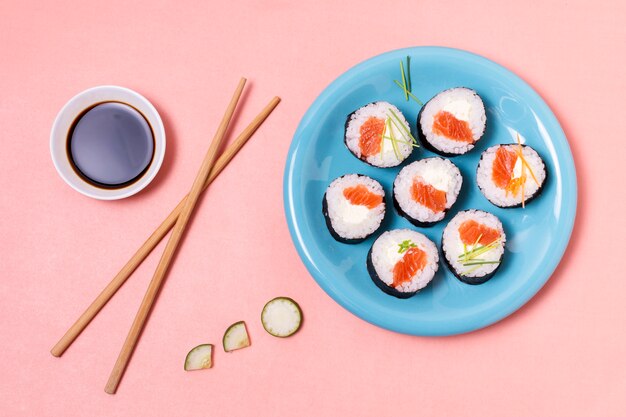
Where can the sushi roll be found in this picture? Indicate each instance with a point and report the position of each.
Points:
(424, 190)
(401, 262)
(379, 135)
(510, 175)
(354, 207)
(473, 245)
(452, 122)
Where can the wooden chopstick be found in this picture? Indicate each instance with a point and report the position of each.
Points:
(160, 232)
(172, 245)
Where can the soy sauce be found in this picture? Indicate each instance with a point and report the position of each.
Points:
(110, 145)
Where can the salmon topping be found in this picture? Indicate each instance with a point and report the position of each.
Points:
(428, 196)
(502, 170)
(413, 261)
(472, 232)
(447, 125)
(371, 136)
(360, 195)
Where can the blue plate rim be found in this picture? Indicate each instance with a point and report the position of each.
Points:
(569, 206)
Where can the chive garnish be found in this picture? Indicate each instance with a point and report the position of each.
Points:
(470, 257)
(472, 269)
(394, 120)
(480, 262)
(399, 84)
(394, 142)
(477, 251)
(404, 84)
(473, 247)
(398, 123)
(391, 138)
(408, 72)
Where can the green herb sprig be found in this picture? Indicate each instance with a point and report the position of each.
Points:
(406, 81)
(405, 245)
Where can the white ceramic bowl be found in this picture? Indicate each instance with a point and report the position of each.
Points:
(69, 113)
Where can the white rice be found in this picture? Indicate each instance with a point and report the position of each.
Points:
(438, 172)
(464, 104)
(387, 157)
(351, 221)
(452, 245)
(385, 256)
(499, 196)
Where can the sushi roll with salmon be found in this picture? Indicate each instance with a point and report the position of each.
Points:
(510, 175)
(401, 262)
(354, 207)
(379, 135)
(425, 190)
(473, 245)
(452, 122)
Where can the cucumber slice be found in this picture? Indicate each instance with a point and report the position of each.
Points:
(199, 357)
(281, 317)
(236, 337)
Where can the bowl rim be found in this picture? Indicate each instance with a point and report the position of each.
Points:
(90, 97)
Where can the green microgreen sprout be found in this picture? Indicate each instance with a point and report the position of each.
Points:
(405, 245)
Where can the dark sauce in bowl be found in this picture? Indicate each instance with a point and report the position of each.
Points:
(110, 145)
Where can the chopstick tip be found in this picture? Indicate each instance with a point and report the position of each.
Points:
(111, 387)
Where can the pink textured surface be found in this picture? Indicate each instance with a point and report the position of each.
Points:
(562, 354)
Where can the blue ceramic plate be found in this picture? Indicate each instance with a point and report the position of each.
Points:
(537, 235)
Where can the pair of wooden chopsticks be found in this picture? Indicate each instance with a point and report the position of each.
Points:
(178, 220)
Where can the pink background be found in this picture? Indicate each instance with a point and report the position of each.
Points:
(562, 354)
